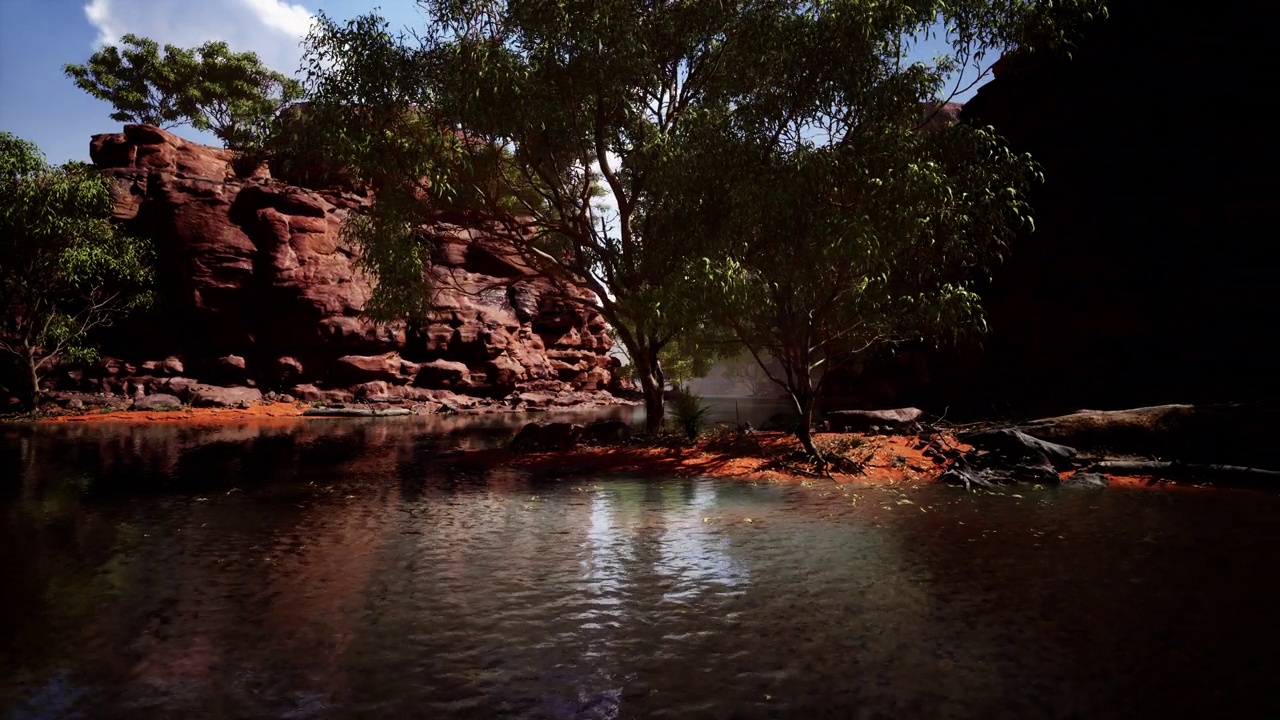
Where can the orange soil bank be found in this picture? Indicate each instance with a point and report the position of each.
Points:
(195, 416)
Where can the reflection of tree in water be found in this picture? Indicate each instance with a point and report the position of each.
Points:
(187, 573)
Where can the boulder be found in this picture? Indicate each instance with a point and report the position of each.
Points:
(231, 370)
(312, 394)
(379, 391)
(359, 369)
(286, 370)
(443, 374)
(1085, 481)
(158, 401)
(606, 432)
(214, 396)
(532, 400)
(179, 386)
(547, 437)
(863, 420)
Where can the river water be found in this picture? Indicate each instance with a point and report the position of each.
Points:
(335, 568)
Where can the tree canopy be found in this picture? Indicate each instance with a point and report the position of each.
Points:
(234, 95)
(65, 269)
(210, 87)
(768, 164)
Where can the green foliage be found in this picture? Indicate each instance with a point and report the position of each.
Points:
(845, 220)
(235, 96)
(366, 121)
(764, 160)
(231, 94)
(688, 356)
(688, 411)
(549, 104)
(64, 267)
(142, 84)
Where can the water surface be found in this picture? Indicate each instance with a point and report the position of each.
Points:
(322, 569)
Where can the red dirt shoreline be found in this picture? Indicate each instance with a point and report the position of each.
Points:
(892, 460)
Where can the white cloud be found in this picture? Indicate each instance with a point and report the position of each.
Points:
(292, 20)
(271, 28)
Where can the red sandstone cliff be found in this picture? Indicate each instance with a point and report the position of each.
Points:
(255, 286)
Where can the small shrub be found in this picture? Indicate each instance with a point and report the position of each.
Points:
(841, 445)
(688, 411)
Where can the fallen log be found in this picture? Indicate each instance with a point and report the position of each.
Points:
(1237, 433)
(1013, 444)
(1183, 470)
(864, 420)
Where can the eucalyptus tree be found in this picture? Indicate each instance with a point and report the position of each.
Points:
(209, 87)
(235, 96)
(65, 269)
(849, 217)
(544, 107)
(762, 160)
(142, 83)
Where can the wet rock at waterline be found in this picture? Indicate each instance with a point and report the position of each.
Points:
(1086, 481)
(604, 432)
(547, 437)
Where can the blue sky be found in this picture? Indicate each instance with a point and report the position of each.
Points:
(37, 37)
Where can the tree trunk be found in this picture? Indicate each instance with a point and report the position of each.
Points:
(31, 393)
(803, 398)
(643, 350)
(653, 397)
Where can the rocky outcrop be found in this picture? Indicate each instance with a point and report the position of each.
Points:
(257, 287)
(1150, 277)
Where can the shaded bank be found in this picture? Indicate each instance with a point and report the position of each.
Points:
(1152, 261)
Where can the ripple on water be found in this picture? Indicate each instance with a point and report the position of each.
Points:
(374, 583)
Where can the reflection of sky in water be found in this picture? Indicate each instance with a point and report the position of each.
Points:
(691, 554)
(695, 554)
(609, 548)
(636, 532)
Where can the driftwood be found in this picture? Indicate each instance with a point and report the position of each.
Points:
(1239, 434)
(1012, 444)
(1184, 470)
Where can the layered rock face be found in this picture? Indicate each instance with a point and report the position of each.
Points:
(256, 286)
